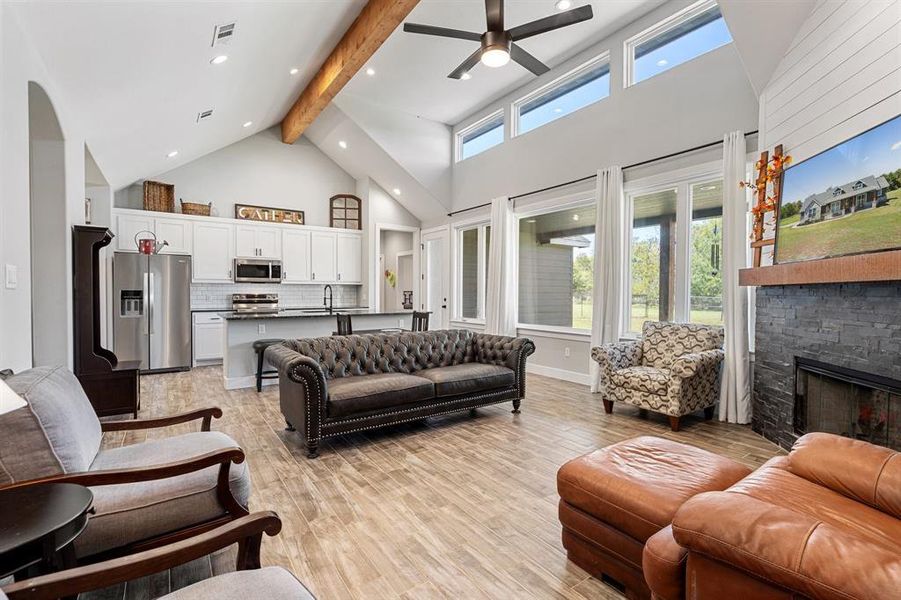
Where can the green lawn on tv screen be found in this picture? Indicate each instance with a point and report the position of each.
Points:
(867, 230)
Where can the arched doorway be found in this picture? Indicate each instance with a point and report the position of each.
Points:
(49, 255)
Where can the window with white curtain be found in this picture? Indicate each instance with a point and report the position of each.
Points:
(670, 280)
(473, 243)
(556, 267)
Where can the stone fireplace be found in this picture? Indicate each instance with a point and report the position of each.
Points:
(827, 357)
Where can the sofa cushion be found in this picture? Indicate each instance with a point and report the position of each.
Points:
(468, 378)
(352, 395)
(57, 432)
(637, 485)
(643, 379)
(272, 583)
(663, 342)
(779, 487)
(134, 511)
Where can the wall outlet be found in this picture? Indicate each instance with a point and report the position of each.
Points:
(261, 328)
(566, 352)
(12, 277)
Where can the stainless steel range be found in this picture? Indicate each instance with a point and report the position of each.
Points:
(249, 304)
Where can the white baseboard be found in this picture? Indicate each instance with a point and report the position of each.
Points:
(249, 381)
(572, 376)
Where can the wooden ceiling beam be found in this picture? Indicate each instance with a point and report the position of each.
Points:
(377, 20)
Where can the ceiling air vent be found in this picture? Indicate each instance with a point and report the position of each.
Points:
(222, 34)
(203, 116)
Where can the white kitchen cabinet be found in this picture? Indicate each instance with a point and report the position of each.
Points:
(177, 232)
(127, 226)
(209, 342)
(253, 241)
(322, 257)
(349, 258)
(214, 248)
(295, 256)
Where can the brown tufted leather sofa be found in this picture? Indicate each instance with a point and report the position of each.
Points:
(341, 384)
(822, 523)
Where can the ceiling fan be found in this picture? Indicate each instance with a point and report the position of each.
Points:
(498, 45)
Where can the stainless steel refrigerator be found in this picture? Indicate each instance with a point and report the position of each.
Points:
(152, 301)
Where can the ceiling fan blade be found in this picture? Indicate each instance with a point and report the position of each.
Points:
(570, 17)
(442, 31)
(494, 11)
(527, 60)
(471, 61)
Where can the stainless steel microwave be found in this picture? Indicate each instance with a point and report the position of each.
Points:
(258, 270)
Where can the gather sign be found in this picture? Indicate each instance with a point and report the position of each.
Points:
(268, 214)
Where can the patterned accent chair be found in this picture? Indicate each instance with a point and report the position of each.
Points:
(673, 369)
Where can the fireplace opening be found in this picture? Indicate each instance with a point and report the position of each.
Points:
(847, 402)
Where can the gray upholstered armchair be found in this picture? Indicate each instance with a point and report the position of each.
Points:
(673, 369)
(145, 494)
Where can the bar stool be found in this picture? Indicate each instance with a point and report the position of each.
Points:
(345, 325)
(420, 321)
(259, 347)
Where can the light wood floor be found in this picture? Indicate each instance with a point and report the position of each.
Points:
(457, 507)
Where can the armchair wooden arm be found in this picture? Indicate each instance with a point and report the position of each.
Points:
(207, 414)
(247, 532)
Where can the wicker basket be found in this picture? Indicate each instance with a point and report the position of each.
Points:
(192, 208)
(159, 196)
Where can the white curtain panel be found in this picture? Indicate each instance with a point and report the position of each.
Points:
(611, 252)
(500, 296)
(735, 396)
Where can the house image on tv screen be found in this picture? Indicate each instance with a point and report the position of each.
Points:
(868, 192)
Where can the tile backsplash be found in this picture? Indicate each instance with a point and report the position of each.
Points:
(219, 295)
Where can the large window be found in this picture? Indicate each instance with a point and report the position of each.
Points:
(473, 244)
(480, 136)
(706, 294)
(653, 292)
(670, 280)
(556, 268)
(688, 34)
(577, 89)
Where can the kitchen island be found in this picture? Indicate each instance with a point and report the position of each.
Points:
(241, 330)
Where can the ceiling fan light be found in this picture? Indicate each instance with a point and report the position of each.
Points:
(495, 57)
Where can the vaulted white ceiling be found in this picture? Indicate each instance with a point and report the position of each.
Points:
(411, 69)
(137, 73)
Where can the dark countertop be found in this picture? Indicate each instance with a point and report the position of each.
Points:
(309, 313)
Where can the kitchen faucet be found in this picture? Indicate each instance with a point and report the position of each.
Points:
(327, 299)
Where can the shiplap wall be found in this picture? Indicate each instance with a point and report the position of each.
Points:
(840, 77)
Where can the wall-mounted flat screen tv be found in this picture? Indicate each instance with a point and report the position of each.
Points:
(846, 200)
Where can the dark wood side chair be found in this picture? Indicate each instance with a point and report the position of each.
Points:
(249, 581)
(259, 347)
(420, 321)
(345, 327)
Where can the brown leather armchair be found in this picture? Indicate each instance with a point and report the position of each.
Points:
(823, 522)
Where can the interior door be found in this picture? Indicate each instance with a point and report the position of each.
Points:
(435, 265)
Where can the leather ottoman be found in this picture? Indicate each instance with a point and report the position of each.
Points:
(612, 500)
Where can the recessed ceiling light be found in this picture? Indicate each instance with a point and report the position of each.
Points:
(530, 221)
(558, 110)
(218, 60)
(396, 192)
(173, 154)
(465, 76)
(370, 71)
(662, 62)
(575, 217)
(293, 71)
(247, 124)
(343, 144)
(563, 4)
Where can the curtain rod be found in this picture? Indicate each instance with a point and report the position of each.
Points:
(587, 177)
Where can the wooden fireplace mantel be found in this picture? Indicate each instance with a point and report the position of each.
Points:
(878, 266)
